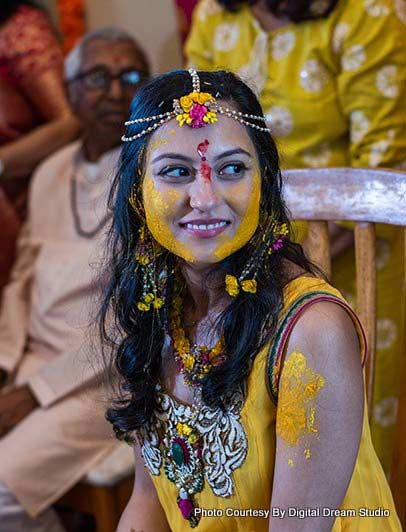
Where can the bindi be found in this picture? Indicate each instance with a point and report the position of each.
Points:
(205, 168)
(202, 149)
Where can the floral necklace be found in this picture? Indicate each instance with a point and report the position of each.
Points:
(193, 362)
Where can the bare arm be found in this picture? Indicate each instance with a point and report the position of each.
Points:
(319, 418)
(143, 512)
(21, 156)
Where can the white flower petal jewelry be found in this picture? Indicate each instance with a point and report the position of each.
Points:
(196, 109)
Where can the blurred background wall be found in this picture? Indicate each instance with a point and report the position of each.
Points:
(152, 22)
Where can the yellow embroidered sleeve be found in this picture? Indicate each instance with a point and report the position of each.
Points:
(370, 39)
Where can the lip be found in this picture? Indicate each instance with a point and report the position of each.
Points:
(205, 232)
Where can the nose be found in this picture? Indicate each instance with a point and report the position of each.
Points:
(116, 90)
(203, 196)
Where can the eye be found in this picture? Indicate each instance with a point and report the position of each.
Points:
(131, 77)
(232, 170)
(175, 173)
(96, 79)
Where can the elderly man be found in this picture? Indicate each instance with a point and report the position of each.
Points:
(52, 427)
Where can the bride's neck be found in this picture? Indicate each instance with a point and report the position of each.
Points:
(206, 289)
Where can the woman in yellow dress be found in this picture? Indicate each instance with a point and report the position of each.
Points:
(241, 385)
(331, 79)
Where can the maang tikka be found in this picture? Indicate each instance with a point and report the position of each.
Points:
(196, 109)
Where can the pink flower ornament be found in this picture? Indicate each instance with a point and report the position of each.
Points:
(196, 109)
(197, 113)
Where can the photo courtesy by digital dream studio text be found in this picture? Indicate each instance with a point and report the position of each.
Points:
(301, 513)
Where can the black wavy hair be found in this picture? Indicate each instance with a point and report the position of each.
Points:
(294, 10)
(250, 319)
(9, 7)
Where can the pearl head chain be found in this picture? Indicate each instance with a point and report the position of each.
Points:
(179, 112)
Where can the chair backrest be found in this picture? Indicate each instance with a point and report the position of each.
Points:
(366, 197)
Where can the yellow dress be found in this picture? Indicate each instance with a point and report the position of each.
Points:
(333, 93)
(252, 479)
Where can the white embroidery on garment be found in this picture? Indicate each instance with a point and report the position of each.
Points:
(149, 440)
(225, 443)
(386, 81)
(282, 44)
(317, 156)
(376, 8)
(379, 148)
(386, 333)
(359, 126)
(226, 36)
(279, 120)
(354, 57)
(313, 76)
(339, 35)
(207, 54)
(386, 411)
(206, 9)
(255, 72)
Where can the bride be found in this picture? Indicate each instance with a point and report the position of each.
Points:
(241, 380)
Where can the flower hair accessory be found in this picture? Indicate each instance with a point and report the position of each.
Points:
(196, 109)
(266, 247)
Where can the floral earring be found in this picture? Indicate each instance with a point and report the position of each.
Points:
(272, 240)
(153, 285)
(146, 252)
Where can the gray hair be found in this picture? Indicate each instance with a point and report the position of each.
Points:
(74, 59)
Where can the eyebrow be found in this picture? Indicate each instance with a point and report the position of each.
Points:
(171, 156)
(179, 156)
(228, 153)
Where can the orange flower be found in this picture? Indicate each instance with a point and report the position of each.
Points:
(71, 21)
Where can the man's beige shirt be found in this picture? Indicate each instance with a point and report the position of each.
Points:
(48, 307)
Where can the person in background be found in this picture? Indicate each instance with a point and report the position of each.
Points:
(35, 116)
(331, 79)
(52, 426)
(184, 10)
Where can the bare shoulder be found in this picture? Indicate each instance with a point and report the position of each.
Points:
(327, 335)
(323, 323)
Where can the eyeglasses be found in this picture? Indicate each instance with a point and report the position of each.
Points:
(101, 78)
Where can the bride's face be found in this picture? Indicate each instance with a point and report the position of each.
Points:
(202, 189)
